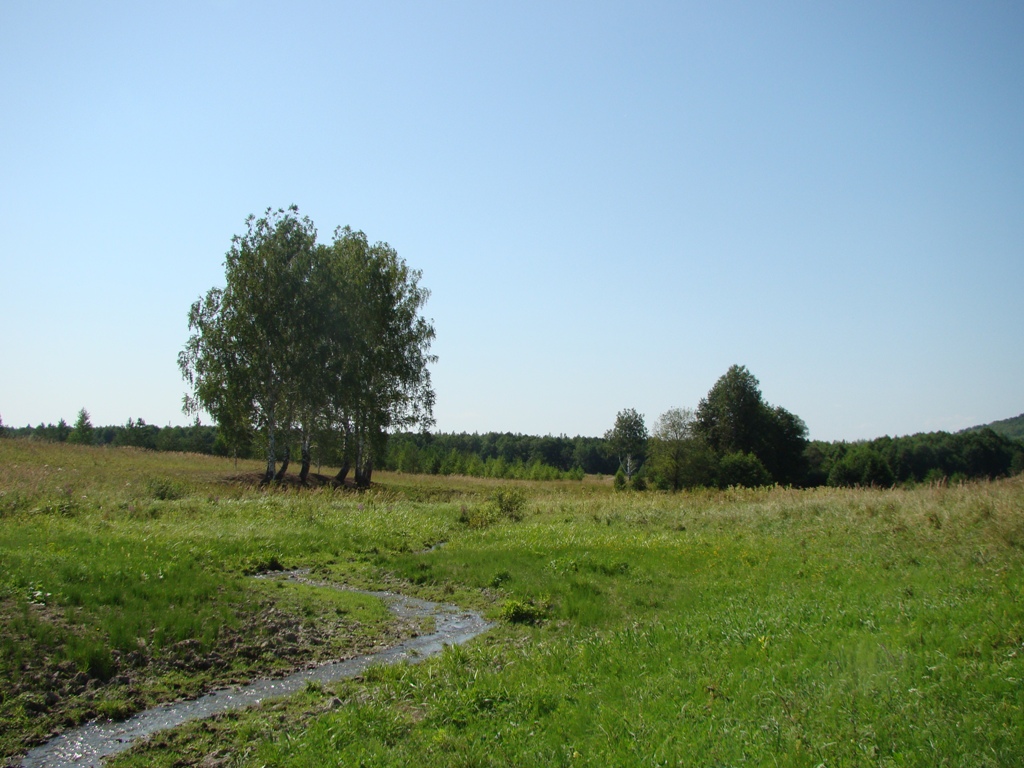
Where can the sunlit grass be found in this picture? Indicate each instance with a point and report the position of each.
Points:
(761, 627)
(754, 627)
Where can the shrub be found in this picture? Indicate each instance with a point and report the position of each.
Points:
(520, 612)
(167, 490)
(620, 480)
(476, 517)
(509, 503)
(743, 469)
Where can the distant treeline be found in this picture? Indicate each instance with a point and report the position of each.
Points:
(192, 439)
(885, 461)
(500, 454)
(926, 457)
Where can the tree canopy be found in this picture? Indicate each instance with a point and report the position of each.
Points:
(627, 440)
(734, 419)
(319, 342)
(671, 446)
(81, 434)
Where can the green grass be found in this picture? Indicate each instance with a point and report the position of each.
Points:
(744, 627)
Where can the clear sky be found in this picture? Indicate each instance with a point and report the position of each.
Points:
(610, 202)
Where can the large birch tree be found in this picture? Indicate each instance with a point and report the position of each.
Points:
(311, 342)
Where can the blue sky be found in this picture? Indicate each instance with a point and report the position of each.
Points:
(611, 203)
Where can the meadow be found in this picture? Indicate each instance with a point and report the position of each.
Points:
(835, 627)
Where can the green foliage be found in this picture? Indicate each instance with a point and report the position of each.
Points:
(620, 482)
(82, 432)
(627, 440)
(494, 455)
(678, 457)
(1012, 428)
(503, 503)
(861, 466)
(1017, 463)
(733, 418)
(137, 434)
(477, 516)
(730, 417)
(522, 612)
(742, 470)
(323, 340)
(913, 459)
(166, 489)
(509, 502)
(261, 562)
(241, 359)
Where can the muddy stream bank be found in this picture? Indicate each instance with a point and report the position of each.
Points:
(89, 744)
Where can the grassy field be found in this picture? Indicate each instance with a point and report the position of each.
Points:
(755, 627)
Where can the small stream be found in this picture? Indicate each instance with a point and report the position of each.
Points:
(89, 744)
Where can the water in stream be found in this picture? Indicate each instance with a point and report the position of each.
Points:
(88, 745)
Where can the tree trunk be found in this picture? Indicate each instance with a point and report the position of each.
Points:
(360, 461)
(630, 466)
(284, 464)
(364, 472)
(271, 454)
(306, 459)
(346, 464)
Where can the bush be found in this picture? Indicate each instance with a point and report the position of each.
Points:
(743, 469)
(520, 612)
(167, 490)
(509, 503)
(620, 480)
(477, 517)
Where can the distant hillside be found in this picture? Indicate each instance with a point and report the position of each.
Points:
(1011, 428)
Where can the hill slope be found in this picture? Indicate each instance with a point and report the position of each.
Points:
(1011, 428)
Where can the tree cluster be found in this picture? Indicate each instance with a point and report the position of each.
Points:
(732, 438)
(311, 343)
(735, 438)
